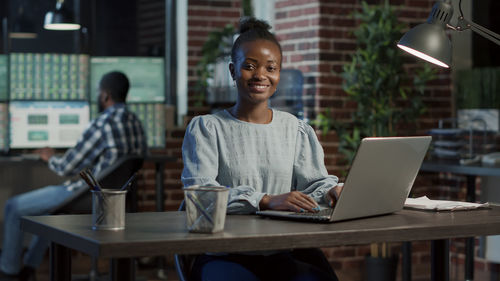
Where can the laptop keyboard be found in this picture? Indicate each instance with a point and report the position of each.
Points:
(323, 214)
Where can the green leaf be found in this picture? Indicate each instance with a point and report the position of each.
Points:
(376, 80)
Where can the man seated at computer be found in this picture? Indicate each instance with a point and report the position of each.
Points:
(116, 132)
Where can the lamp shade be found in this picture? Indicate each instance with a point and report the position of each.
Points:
(428, 40)
(60, 19)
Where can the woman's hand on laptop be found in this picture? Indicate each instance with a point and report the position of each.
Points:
(294, 201)
(334, 193)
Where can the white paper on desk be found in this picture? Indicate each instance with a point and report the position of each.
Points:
(424, 203)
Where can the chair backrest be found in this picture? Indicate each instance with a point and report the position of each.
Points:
(112, 177)
(288, 96)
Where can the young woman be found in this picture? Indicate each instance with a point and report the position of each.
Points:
(268, 158)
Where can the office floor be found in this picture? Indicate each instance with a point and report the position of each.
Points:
(147, 271)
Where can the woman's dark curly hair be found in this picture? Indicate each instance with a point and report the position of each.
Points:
(252, 29)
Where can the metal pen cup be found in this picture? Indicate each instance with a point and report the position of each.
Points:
(206, 208)
(108, 209)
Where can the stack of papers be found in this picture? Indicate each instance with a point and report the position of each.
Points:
(424, 203)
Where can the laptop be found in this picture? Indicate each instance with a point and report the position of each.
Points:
(379, 181)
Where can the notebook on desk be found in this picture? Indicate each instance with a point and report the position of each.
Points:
(379, 181)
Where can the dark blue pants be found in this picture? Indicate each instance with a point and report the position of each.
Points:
(294, 265)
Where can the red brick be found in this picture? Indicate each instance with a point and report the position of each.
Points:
(420, 4)
(349, 46)
(202, 12)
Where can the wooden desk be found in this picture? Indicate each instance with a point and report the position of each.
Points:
(471, 172)
(152, 234)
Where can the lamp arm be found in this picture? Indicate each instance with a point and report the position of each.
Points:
(463, 24)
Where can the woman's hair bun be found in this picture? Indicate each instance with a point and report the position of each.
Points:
(250, 23)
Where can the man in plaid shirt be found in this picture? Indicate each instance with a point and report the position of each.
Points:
(115, 133)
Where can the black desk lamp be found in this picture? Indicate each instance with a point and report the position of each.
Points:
(60, 18)
(428, 40)
(22, 27)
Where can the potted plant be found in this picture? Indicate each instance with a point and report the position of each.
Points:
(387, 96)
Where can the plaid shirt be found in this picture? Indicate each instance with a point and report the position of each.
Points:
(115, 133)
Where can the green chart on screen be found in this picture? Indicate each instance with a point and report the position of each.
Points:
(146, 76)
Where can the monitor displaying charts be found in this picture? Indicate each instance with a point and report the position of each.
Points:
(152, 117)
(4, 122)
(56, 124)
(146, 75)
(3, 78)
(35, 76)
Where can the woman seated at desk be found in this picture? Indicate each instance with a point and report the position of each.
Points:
(268, 158)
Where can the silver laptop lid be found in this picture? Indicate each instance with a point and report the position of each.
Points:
(381, 176)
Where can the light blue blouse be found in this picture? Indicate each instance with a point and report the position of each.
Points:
(254, 159)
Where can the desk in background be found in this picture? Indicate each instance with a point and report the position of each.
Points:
(19, 175)
(159, 160)
(160, 233)
(471, 172)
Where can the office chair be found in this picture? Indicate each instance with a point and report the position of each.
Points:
(183, 263)
(113, 176)
(288, 96)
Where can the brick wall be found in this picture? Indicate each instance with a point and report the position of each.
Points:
(316, 38)
(203, 17)
(151, 27)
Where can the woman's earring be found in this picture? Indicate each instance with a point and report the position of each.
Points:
(234, 83)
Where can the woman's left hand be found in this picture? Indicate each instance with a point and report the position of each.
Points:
(334, 193)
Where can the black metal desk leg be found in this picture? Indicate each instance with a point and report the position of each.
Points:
(60, 263)
(406, 265)
(469, 242)
(160, 198)
(440, 260)
(471, 189)
(122, 269)
(160, 201)
(469, 258)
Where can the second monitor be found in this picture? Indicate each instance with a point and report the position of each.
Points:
(54, 124)
(146, 75)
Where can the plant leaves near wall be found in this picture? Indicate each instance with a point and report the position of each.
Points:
(478, 88)
(218, 44)
(376, 80)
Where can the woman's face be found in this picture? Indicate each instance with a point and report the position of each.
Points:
(256, 70)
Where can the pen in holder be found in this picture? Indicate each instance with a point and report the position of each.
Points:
(89, 181)
(129, 182)
(108, 205)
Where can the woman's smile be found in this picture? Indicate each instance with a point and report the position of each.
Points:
(258, 87)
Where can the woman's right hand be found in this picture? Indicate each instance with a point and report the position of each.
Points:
(294, 201)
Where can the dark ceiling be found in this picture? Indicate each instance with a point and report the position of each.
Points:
(108, 27)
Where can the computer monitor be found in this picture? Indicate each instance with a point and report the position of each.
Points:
(56, 124)
(152, 117)
(3, 78)
(146, 75)
(4, 122)
(35, 76)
